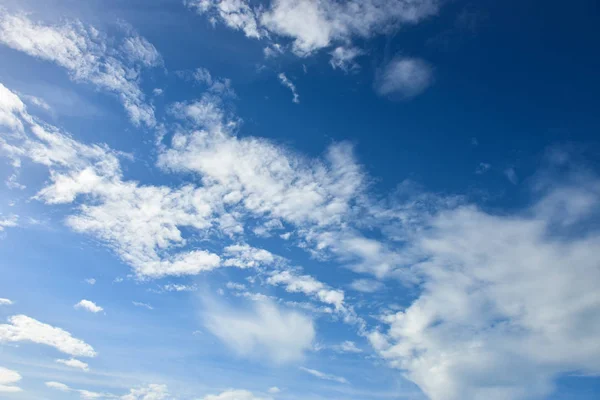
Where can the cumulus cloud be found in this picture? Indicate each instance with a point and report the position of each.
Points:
(5, 302)
(8, 378)
(90, 281)
(324, 376)
(404, 78)
(74, 363)
(25, 329)
(88, 306)
(86, 54)
(313, 25)
(264, 330)
(509, 302)
(290, 85)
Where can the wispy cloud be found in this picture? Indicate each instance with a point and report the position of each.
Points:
(287, 83)
(324, 376)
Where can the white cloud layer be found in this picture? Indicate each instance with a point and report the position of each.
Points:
(264, 330)
(88, 306)
(74, 363)
(324, 376)
(8, 378)
(25, 329)
(404, 78)
(508, 302)
(313, 25)
(85, 54)
(234, 395)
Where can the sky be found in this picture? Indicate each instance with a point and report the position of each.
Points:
(299, 199)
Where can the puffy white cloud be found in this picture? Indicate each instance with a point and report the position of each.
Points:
(86, 54)
(235, 395)
(366, 285)
(509, 302)
(264, 330)
(5, 302)
(90, 281)
(7, 380)
(324, 376)
(290, 85)
(23, 328)
(74, 363)
(88, 306)
(404, 78)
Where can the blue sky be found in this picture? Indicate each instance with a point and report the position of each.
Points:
(298, 199)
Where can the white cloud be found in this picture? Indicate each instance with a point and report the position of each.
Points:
(511, 175)
(74, 363)
(404, 78)
(8, 222)
(90, 281)
(324, 376)
(482, 168)
(144, 305)
(23, 328)
(509, 302)
(236, 14)
(366, 285)
(343, 58)
(85, 53)
(274, 390)
(7, 380)
(287, 83)
(264, 330)
(5, 302)
(244, 256)
(347, 347)
(234, 395)
(88, 306)
(58, 386)
(314, 25)
(150, 392)
(309, 286)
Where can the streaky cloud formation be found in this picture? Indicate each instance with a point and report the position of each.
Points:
(74, 363)
(324, 376)
(22, 328)
(265, 330)
(89, 306)
(84, 53)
